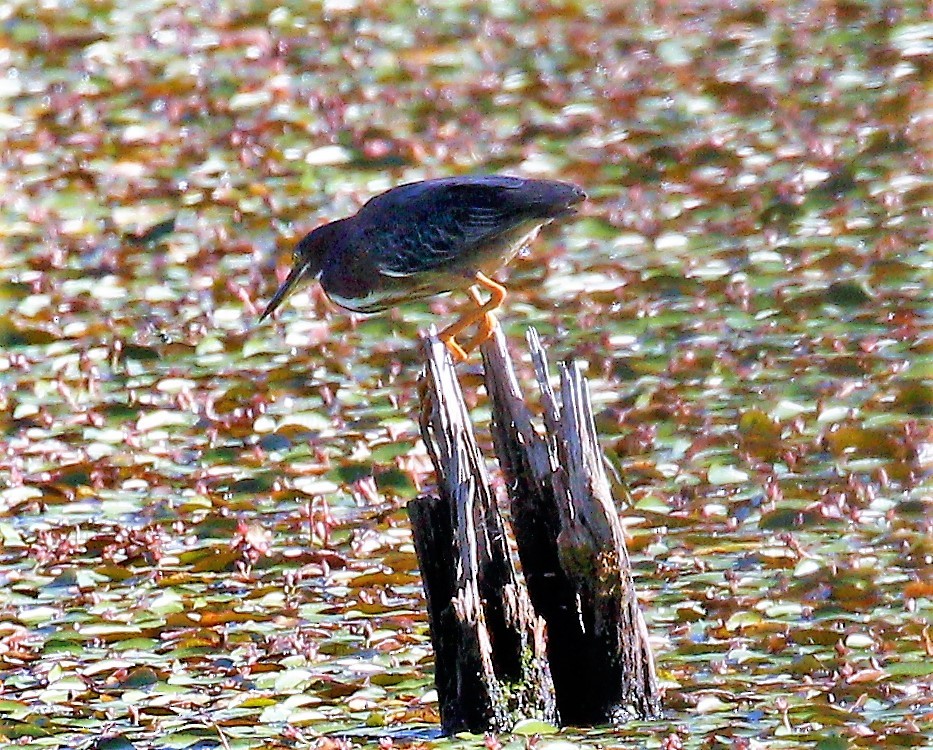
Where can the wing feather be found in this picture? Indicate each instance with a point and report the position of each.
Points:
(440, 223)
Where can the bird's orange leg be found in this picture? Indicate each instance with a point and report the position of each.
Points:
(482, 314)
(486, 326)
(455, 349)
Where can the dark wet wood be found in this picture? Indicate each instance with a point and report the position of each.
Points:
(492, 668)
(571, 543)
(572, 550)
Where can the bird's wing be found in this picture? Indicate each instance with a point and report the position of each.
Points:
(449, 224)
(448, 238)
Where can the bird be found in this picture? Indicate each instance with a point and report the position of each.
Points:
(428, 238)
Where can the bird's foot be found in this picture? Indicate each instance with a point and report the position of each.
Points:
(482, 315)
(486, 328)
(456, 351)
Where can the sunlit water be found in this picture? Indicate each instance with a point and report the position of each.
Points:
(202, 519)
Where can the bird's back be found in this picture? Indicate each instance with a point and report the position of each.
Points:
(449, 221)
(511, 197)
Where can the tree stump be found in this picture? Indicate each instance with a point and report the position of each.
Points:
(494, 663)
(491, 664)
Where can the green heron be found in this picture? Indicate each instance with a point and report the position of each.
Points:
(428, 238)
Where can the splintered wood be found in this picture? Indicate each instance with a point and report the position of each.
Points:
(572, 647)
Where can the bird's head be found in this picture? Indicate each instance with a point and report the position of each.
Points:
(308, 262)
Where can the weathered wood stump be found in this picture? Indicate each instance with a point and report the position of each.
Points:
(491, 664)
(494, 663)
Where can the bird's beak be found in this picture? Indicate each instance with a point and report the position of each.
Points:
(288, 286)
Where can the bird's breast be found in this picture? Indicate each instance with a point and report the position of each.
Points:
(354, 282)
